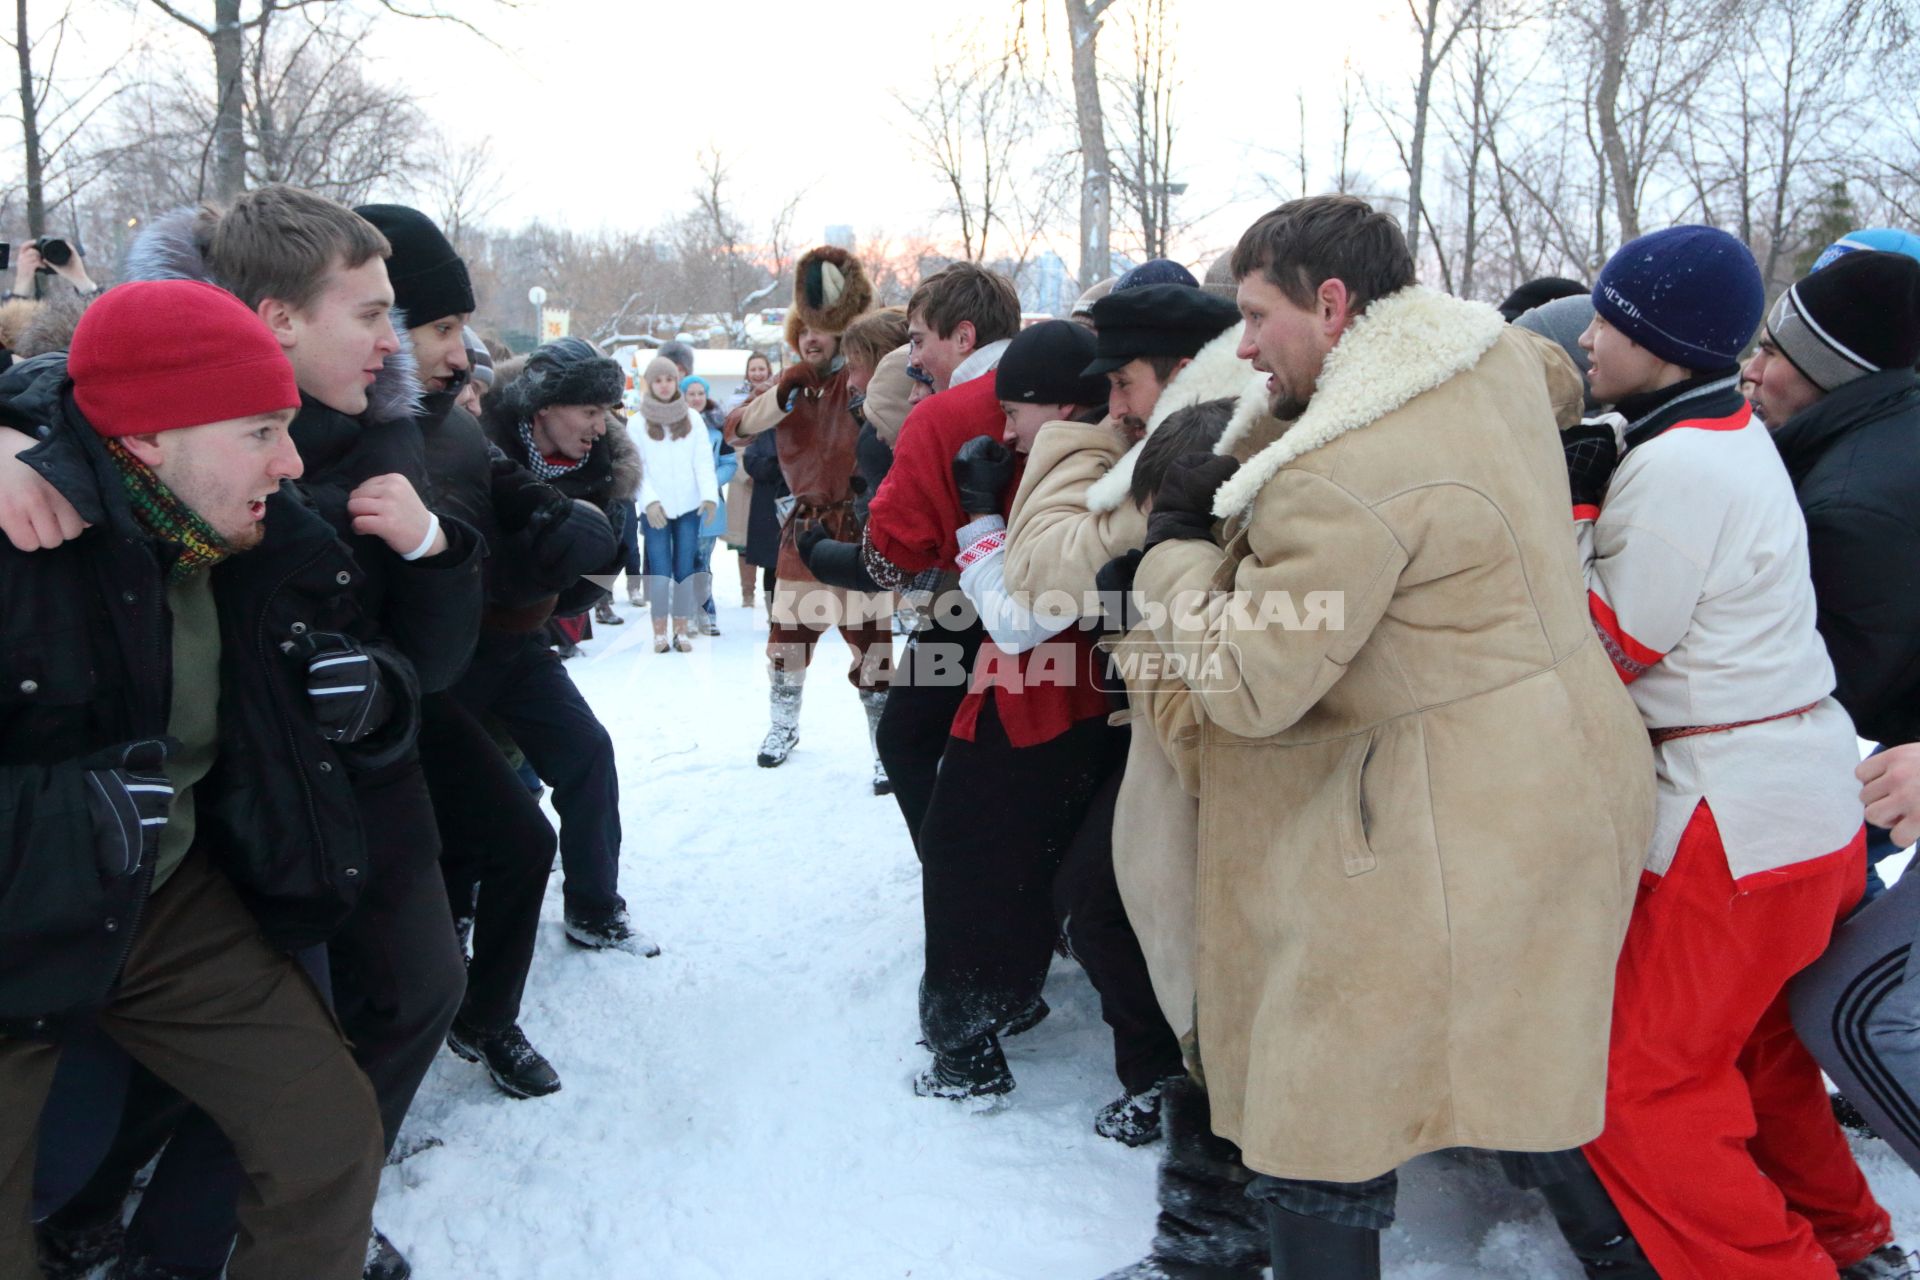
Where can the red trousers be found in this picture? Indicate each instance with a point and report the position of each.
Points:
(1721, 1149)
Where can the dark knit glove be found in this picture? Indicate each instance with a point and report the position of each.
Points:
(128, 796)
(1114, 582)
(1183, 504)
(1592, 453)
(796, 379)
(982, 470)
(344, 684)
(839, 564)
(809, 534)
(571, 537)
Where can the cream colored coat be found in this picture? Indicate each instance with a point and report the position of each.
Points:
(1421, 830)
(1070, 516)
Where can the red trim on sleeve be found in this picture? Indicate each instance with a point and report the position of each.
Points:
(1732, 422)
(1585, 511)
(1630, 658)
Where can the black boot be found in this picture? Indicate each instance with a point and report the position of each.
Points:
(1207, 1229)
(384, 1262)
(1594, 1229)
(515, 1065)
(975, 1070)
(72, 1251)
(1307, 1248)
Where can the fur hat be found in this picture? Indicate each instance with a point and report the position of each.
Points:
(830, 291)
(887, 392)
(564, 371)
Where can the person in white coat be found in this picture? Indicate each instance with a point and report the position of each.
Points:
(678, 490)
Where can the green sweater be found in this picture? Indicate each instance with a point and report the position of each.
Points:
(194, 716)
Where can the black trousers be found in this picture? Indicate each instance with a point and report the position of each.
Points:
(397, 969)
(523, 684)
(1086, 899)
(998, 824)
(493, 836)
(929, 684)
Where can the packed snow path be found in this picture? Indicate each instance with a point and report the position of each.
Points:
(739, 1108)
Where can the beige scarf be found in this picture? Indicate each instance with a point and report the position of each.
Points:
(666, 415)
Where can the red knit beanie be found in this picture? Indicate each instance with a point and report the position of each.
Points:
(156, 355)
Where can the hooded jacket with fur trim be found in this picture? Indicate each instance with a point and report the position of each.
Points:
(1425, 798)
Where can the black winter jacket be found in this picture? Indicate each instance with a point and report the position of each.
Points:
(1854, 456)
(429, 608)
(85, 665)
(591, 483)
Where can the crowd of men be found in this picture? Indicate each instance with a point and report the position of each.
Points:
(1431, 727)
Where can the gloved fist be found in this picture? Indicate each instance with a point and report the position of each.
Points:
(128, 795)
(810, 534)
(1592, 452)
(1114, 582)
(796, 379)
(982, 470)
(571, 537)
(1183, 504)
(344, 685)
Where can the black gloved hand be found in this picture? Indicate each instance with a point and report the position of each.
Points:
(1114, 582)
(516, 494)
(344, 684)
(128, 795)
(809, 534)
(571, 537)
(1183, 504)
(1592, 453)
(982, 470)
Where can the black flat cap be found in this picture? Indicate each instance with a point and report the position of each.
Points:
(1157, 320)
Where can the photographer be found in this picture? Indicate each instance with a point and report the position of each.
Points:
(49, 255)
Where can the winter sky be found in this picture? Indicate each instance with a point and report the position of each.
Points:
(596, 109)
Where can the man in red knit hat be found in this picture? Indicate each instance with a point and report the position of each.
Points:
(157, 778)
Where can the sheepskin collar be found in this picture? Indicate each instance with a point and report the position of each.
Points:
(1217, 371)
(169, 248)
(1404, 345)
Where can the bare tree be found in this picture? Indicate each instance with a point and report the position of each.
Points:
(459, 183)
(227, 31)
(1090, 124)
(52, 121)
(1146, 127)
(1439, 26)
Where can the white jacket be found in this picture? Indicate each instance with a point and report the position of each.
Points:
(677, 474)
(1699, 586)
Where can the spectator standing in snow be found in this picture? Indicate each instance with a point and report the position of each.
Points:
(1356, 1008)
(1720, 1148)
(726, 463)
(678, 492)
(169, 420)
(744, 508)
(816, 436)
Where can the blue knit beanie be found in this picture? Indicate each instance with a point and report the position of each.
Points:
(1885, 239)
(1691, 295)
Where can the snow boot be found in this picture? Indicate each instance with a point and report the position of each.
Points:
(976, 1070)
(875, 703)
(1207, 1229)
(515, 1065)
(784, 735)
(1888, 1262)
(1133, 1119)
(1027, 1019)
(71, 1252)
(1594, 1229)
(634, 595)
(614, 932)
(603, 612)
(1307, 1248)
(384, 1262)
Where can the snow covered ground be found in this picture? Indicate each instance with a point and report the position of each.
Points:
(739, 1107)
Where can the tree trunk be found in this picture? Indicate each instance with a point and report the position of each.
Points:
(1613, 68)
(229, 121)
(1096, 179)
(30, 129)
(1416, 154)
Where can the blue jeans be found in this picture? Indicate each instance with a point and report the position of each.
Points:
(703, 565)
(672, 556)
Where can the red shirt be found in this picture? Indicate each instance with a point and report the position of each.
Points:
(912, 519)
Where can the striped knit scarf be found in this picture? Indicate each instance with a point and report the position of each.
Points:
(172, 521)
(537, 461)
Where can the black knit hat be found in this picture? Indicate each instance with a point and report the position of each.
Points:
(1157, 320)
(1043, 364)
(564, 371)
(1858, 316)
(429, 280)
(1537, 293)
